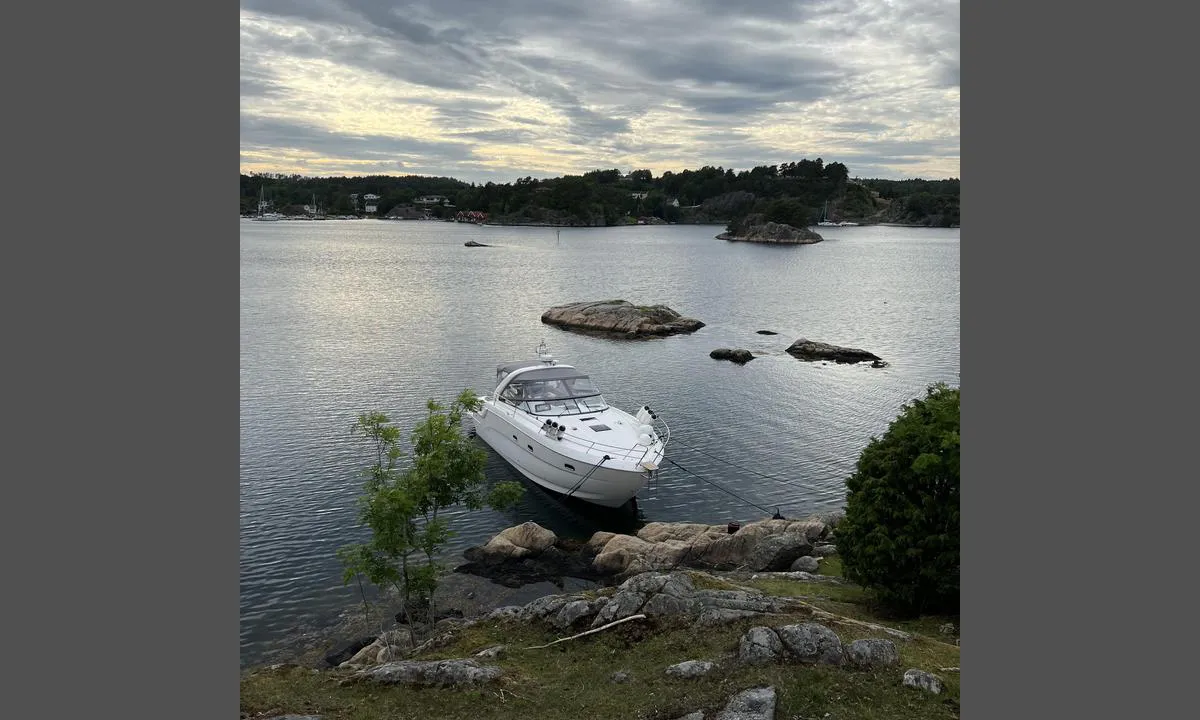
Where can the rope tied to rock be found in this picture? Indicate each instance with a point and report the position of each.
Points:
(717, 486)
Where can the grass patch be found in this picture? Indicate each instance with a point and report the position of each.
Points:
(704, 581)
(574, 679)
(831, 565)
(810, 590)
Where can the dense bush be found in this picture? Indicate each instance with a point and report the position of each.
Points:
(899, 536)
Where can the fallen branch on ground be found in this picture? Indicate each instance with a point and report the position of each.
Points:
(842, 619)
(588, 632)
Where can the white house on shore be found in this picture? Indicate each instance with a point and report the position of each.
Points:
(430, 200)
(370, 202)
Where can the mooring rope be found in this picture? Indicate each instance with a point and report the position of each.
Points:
(583, 479)
(717, 486)
(783, 480)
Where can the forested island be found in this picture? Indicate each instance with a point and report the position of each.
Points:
(799, 194)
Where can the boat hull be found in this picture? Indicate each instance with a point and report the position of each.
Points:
(559, 467)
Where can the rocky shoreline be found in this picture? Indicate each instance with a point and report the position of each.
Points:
(665, 578)
(527, 563)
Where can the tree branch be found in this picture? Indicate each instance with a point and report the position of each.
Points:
(589, 632)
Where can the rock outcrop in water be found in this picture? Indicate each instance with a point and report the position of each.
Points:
(813, 350)
(620, 317)
(739, 356)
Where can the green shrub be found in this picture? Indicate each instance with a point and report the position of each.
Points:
(899, 537)
(403, 508)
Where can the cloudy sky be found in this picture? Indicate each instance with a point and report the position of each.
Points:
(495, 90)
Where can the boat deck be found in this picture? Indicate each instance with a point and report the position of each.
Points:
(610, 431)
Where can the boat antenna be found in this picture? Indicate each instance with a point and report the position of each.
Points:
(544, 354)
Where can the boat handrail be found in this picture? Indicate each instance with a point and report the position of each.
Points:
(627, 452)
(664, 437)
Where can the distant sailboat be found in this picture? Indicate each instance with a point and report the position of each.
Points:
(263, 215)
(314, 211)
(825, 221)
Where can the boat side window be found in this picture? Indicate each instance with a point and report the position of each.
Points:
(512, 394)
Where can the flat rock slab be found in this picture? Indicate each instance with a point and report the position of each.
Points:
(812, 350)
(442, 673)
(690, 669)
(620, 317)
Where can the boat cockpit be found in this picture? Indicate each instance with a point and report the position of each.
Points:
(556, 390)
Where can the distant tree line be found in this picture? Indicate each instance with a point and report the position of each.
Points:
(334, 195)
(797, 193)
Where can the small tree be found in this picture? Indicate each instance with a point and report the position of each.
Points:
(403, 508)
(900, 534)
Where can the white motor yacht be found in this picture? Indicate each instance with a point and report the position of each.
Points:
(550, 422)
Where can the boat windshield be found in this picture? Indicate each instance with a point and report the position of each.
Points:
(554, 391)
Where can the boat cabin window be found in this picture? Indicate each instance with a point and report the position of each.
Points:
(553, 392)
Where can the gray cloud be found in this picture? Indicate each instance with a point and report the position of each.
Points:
(527, 121)
(858, 127)
(258, 133)
(259, 83)
(599, 70)
(505, 137)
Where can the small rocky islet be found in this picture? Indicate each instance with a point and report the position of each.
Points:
(755, 228)
(620, 317)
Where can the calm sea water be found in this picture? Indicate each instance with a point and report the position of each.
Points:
(343, 317)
